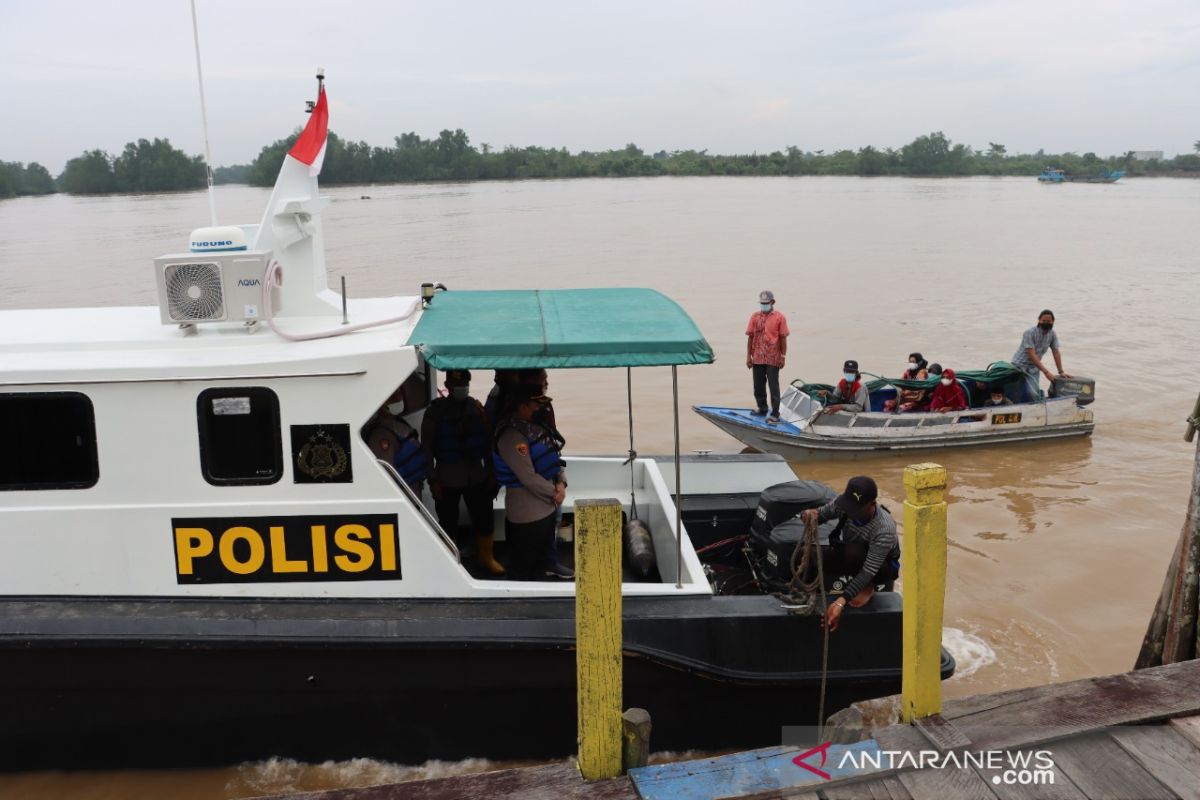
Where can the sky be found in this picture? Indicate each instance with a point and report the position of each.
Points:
(729, 77)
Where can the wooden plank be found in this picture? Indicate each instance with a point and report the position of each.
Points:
(941, 784)
(530, 783)
(1166, 754)
(880, 789)
(1083, 706)
(1062, 787)
(767, 773)
(941, 733)
(1188, 727)
(1101, 768)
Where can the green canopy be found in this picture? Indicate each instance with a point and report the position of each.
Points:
(557, 329)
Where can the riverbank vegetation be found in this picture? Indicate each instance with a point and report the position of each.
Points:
(149, 166)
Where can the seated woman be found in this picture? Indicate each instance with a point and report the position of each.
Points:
(948, 395)
(913, 399)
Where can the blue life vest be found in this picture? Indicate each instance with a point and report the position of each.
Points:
(461, 434)
(409, 460)
(402, 448)
(545, 452)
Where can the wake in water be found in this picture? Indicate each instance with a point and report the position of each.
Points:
(971, 653)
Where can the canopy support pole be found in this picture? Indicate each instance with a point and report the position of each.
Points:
(678, 490)
(632, 453)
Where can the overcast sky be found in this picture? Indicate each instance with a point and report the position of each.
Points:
(732, 77)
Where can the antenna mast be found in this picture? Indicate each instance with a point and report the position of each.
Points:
(212, 202)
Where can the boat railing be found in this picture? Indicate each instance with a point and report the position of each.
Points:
(416, 501)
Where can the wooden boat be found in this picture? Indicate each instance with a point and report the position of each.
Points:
(804, 431)
(205, 562)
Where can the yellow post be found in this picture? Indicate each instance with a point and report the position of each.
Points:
(598, 636)
(923, 554)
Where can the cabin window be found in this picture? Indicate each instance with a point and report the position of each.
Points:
(239, 436)
(49, 441)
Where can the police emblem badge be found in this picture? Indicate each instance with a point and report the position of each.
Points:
(321, 453)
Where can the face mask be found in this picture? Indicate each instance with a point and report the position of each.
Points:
(764, 307)
(460, 392)
(1045, 325)
(911, 366)
(997, 399)
(395, 409)
(945, 381)
(850, 377)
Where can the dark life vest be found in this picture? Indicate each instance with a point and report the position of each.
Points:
(545, 452)
(461, 433)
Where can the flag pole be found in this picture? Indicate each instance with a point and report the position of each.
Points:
(212, 202)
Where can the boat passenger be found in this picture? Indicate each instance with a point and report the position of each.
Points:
(908, 400)
(766, 352)
(528, 464)
(456, 435)
(497, 398)
(863, 544)
(935, 370)
(948, 395)
(997, 398)
(392, 439)
(1034, 344)
(851, 393)
(544, 416)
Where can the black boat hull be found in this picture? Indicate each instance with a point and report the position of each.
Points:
(407, 681)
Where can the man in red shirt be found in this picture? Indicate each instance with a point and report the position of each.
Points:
(766, 350)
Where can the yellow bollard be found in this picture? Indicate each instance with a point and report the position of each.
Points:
(923, 554)
(598, 637)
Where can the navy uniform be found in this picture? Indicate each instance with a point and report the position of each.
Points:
(456, 435)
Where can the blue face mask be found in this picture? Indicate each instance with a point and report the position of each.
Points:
(764, 307)
(850, 377)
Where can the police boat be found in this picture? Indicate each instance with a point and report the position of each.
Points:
(205, 562)
(804, 431)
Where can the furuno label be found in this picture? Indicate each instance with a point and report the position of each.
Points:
(356, 547)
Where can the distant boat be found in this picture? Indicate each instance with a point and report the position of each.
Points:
(1055, 175)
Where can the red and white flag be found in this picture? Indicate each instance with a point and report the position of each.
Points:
(310, 147)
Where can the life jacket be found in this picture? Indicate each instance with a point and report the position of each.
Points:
(545, 452)
(847, 392)
(461, 434)
(401, 446)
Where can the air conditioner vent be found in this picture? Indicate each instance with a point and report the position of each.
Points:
(194, 292)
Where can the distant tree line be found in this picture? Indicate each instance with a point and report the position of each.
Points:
(150, 166)
(452, 157)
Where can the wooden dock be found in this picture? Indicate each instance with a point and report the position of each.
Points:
(1133, 735)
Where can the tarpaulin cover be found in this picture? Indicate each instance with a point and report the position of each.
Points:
(558, 329)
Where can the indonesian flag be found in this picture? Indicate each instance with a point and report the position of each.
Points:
(310, 147)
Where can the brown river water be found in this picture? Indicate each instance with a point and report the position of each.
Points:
(1058, 550)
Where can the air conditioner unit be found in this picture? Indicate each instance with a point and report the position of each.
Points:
(212, 287)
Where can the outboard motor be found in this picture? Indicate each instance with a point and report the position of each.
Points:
(776, 529)
(1082, 389)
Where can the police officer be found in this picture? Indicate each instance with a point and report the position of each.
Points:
(395, 441)
(864, 543)
(456, 435)
(528, 463)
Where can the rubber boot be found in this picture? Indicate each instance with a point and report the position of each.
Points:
(484, 555)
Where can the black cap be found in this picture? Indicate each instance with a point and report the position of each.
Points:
(850, 366)
(458, 376)
(860, 493)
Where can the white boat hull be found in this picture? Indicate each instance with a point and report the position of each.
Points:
(873, 432)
